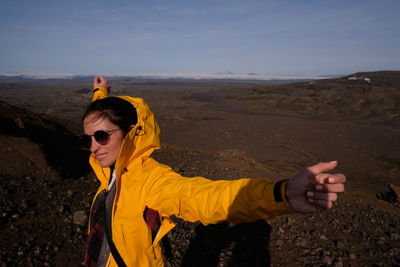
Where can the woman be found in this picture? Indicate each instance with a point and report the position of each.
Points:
(137, 195)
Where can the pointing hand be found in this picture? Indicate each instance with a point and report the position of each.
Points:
(313, 188)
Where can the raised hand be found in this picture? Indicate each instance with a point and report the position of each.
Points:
(100, 81)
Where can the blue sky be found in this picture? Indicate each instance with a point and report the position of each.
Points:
(283, 37)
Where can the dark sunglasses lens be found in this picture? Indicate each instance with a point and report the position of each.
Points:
(86, 141)
(101, 137)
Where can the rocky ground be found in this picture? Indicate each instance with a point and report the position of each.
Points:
(43, 223)
(46, 186)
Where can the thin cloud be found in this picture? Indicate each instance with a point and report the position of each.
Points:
(188, 11)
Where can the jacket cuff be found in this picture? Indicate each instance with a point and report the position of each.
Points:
(99, 93)
(279, 197)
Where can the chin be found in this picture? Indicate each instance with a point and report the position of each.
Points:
(106, 164)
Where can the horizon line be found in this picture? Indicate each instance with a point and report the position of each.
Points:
(164, 75)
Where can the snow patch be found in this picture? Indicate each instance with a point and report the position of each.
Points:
(353, 78)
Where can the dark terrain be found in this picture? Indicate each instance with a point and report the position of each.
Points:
(216, 129)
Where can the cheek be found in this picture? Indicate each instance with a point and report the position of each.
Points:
(115, 145)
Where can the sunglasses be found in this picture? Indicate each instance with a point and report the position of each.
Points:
(101, 137)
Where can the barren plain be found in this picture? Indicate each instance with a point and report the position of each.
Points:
(217, 129)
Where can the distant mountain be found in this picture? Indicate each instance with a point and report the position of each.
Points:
(42, 77)
(379, 78)
(362, 95)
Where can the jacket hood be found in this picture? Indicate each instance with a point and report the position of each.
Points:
(140, 142)
(143, 139)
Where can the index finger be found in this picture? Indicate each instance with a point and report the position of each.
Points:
(325, 178)
(337, 178)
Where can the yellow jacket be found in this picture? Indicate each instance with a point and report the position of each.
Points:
(143, 182)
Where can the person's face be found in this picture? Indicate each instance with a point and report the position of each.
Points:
(108, 153)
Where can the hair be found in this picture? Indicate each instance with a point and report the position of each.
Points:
(118, 111)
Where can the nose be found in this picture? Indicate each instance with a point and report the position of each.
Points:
(94, 146)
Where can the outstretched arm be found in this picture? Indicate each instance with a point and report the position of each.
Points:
(313, 188)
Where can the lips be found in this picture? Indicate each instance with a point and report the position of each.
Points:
(101, 156)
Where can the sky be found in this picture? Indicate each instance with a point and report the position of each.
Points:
(282, 37)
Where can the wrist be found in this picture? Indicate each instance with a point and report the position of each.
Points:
(100, 88)
(99, 93)
(290, 192)
(280, 190)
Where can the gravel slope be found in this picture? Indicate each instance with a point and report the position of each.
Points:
(39, 228)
